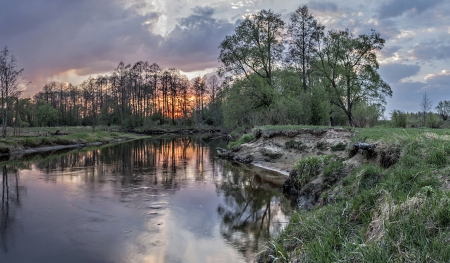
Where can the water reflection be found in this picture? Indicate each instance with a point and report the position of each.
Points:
(11, 201)
(159, 200)
(252, 213)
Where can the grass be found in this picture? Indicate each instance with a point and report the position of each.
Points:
(75, 135)
(399, 212)
(243, 139)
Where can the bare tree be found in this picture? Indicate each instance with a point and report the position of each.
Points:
(10, 80)
(425, 106)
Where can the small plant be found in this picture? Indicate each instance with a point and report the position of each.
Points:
(322, 145)
(243, 139)
(292, 144)
(308, 168)
(340, 146)
(333, 171)
(437, 157)
(278, 253)
(370, 178)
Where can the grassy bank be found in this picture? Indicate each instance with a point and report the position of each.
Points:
(36, 137)
(376, 214)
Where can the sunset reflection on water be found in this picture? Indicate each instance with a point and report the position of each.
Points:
(158, 200)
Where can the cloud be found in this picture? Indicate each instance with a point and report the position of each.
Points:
(52, 37)
(406, 96)
(440, 80)
(389, 51)
(324, 7)
(394, 8)
(393, 73)
(203, 11)
(193, 44)
(431, 50)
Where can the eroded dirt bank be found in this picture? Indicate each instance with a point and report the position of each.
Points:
(280, 150)
(312, 161)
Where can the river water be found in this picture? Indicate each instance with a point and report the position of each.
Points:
(152, 200)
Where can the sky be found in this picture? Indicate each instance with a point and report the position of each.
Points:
(66, 40)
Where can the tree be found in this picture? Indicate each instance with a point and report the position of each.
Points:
(399, 118)
(10, 81)
(348, 68)
(46, 114)
(425, 106)
(443, 109)
(303, 36)
(255, 48)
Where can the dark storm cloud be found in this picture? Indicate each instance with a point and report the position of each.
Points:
(193, 44)
(393, 73)
(431, 50)
(394, 8)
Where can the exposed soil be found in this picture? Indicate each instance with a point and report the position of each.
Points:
(280, 150)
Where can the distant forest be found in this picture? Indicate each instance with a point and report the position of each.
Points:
(272, 72)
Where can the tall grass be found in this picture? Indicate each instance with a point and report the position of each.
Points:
(376, 214)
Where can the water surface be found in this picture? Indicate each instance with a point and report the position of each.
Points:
(158, 200)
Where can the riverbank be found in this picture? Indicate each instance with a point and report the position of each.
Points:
(389, 204)
(21, 145)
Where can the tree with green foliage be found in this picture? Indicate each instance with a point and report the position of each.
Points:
(348, 67)
(303, 37)
(443, 109)
(46, 115)
(255, 48)
(399, 118)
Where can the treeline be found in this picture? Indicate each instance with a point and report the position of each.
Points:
(295, 72)
(272, 72)
(132, 96)
(425, 117)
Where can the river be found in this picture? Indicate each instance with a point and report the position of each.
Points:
(150, 200)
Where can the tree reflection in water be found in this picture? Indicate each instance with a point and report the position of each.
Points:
(10, 202)
(252, 212)
(146, 175)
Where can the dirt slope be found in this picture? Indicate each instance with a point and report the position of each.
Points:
(280, 150)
